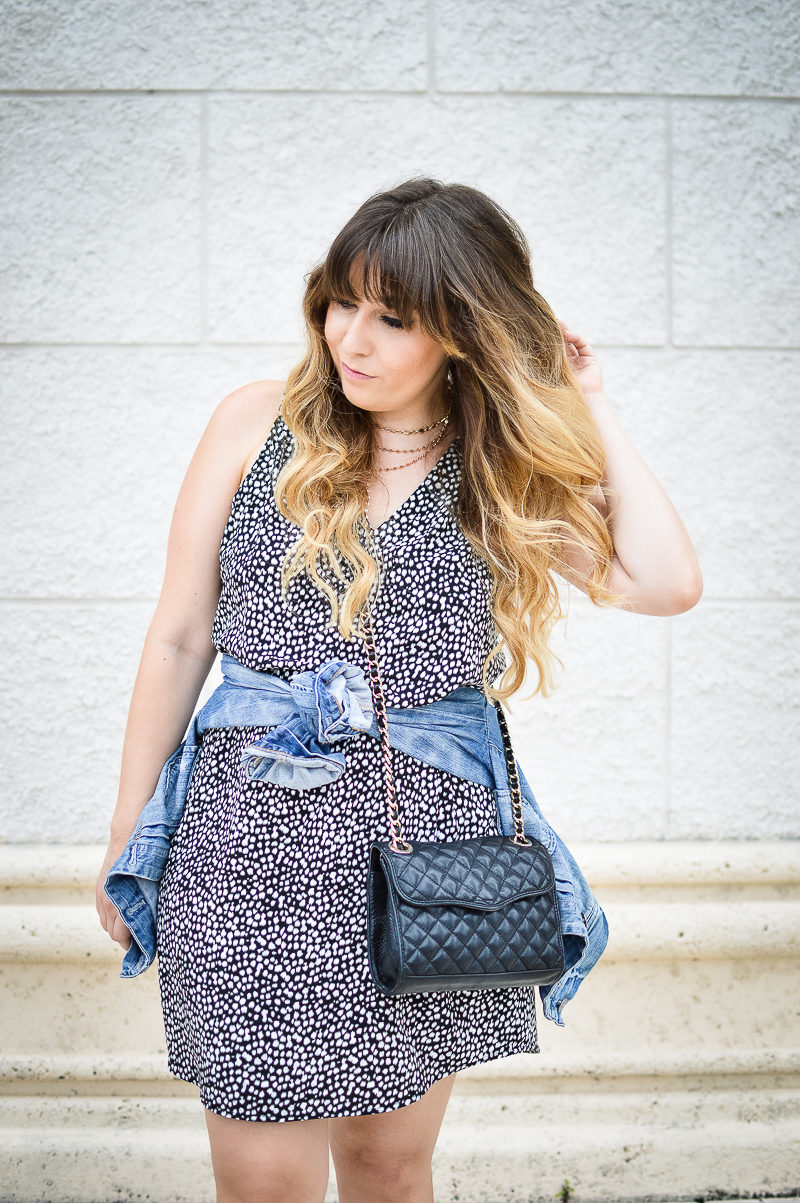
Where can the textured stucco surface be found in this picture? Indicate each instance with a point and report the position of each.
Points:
(98, 439)
(171, 172)
(736, 194)
(565, 169)
(199, 44)
(100, 219)
(647, 46)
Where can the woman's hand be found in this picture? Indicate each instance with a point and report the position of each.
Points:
(109, 915)
(583, 361)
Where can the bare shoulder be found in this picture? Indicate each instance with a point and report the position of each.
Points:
(251, 407)
(244, 418)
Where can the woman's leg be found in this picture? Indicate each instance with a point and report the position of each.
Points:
(268, 1162)
(386, 1158)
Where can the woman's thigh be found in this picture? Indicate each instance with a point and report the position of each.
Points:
(377, 1155)
(268, 1162)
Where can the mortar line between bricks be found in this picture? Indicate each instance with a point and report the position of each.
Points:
(668, 735)
(430, 40)
(199, 347)
(97, 600)
(212, 345)
(421, 93)
(203, 231)
(583, 602)
(668, 225)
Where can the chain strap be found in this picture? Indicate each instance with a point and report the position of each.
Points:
(398, 844)
(513, 778)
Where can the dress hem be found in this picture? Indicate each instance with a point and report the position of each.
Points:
(405, 1102)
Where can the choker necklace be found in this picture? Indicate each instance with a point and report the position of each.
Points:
(420, 430)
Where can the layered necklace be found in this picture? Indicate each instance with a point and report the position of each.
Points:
(425, 448)
(418, 452)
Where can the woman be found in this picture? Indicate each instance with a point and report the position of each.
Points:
(442, 410)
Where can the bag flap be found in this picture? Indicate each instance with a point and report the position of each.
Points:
(483, 873)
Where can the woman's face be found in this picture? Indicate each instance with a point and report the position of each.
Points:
(383, 367)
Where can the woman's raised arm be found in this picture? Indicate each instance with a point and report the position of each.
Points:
(655, 564)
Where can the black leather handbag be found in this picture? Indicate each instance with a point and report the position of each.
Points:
(459, 914)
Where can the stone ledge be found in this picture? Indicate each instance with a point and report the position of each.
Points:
(678, 863)
(639, 1147)
(717, 1062)
(644, 931)
(669, 1079)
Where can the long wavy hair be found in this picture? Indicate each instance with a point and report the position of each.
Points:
(531, 451)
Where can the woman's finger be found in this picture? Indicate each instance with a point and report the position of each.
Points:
(113, 923)
(572, 336)
(121, 933)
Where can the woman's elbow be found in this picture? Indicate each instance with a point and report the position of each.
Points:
(662, 597)
(685, 596)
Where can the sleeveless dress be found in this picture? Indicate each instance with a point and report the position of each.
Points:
(269, 1007)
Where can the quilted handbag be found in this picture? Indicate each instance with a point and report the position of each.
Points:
(458, 914)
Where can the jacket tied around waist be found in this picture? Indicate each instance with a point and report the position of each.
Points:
(313, 717)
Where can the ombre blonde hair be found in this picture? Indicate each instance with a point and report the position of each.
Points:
(531, 451)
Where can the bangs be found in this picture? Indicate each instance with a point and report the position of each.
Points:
(396, 273)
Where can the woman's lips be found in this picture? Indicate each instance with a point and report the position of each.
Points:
(352, 375)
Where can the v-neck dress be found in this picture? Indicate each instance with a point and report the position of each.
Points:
(268, 1003)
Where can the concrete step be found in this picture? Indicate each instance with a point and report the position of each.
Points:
(677, 1075)
(491, 1149)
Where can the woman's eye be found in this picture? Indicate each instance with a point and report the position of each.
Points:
(393, 322)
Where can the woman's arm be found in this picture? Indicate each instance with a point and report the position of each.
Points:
(178, 652)
(654, 562)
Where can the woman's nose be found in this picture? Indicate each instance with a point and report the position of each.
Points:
(356, 337)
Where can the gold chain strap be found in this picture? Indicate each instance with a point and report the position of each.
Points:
(379, 700)
(513, 779)
(398, 843)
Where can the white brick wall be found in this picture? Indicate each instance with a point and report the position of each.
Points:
(170, 171)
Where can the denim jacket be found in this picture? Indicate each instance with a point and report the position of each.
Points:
(314, 715)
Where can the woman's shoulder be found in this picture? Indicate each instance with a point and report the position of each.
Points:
(253, 406)
(248, 415)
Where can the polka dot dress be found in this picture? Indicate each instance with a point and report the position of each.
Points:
(268, 1003)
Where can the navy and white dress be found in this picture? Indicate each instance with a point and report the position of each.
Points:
(268, 1003)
